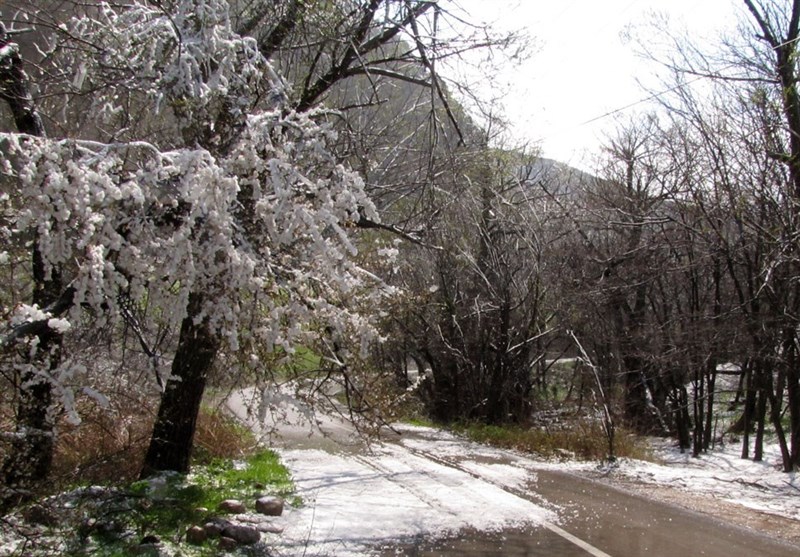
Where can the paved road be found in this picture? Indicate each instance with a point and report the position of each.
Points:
(593, 519)
(606, 522)
(601, 521)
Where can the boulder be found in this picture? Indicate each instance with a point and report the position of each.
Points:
(147, 549)
(196, 535)
(232, 506)
(269, 528)
(214, 528)
(242, 533)
(227, 544)
(270, 506)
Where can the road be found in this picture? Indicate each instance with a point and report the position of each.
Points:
(429, 493)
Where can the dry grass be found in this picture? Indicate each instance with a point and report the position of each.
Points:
(109, 447)
(220, 436)
(583, 438)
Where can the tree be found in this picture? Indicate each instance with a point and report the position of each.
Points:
(235, 212)
(225, 208)
(31, 453)
(740, 139)
(477, 309)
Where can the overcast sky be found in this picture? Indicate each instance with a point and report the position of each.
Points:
(582, 67)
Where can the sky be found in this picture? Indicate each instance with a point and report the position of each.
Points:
(582, 67)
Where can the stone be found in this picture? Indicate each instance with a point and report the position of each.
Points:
(151, 540)
(270, 506)
(196, 535)
(232, 506)
(269, 528)
(214, 528)
(227, 544)
(242, 533)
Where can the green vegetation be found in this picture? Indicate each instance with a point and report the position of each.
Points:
(166, 505)
(421, 421)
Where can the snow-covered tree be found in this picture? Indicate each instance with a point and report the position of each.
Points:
(235, 220)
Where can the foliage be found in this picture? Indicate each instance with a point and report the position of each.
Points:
(167, 505)
(108, 447)
(112, 521)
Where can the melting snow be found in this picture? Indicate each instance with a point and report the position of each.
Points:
(354, 504)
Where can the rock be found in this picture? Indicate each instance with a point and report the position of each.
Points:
(227, 544)
(259, 485)
(151, 540)
(214, 528)
(270, 506)
(196, 535)
(232, 506)
(242, 533)
(269, 528)
(201, 510)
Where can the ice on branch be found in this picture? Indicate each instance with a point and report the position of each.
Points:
(243, 202)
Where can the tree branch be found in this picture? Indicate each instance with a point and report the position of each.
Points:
(57, 308)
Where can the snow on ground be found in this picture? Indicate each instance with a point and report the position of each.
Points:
(721, 474)
(431, 483)
(356, 503)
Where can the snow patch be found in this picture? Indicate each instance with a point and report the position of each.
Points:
(354, 504)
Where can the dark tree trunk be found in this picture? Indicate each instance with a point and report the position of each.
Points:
(762, 378)
(173, 432)
(749, 410)
(697, 410)
(793, 397)
(711, 381)
(31, 454)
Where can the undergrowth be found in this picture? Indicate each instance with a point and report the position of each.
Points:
(581, 439)
(97, 507)
(166, 505)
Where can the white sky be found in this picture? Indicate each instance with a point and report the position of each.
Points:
(582, 67)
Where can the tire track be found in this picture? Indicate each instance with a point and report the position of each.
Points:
(520, 493)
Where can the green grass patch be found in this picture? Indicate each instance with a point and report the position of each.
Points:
(420, 421)
(168, 504)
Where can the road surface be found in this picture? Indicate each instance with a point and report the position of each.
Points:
(426, 492)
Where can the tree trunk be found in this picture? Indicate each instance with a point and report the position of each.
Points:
(749, 408)
(711, 381)
(173, 432)
(30, 458)
(761, 377)
(793, 397)
(697, 411)
(682, 420)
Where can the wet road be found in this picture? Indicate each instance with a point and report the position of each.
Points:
(434, 468)
(600, 521)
